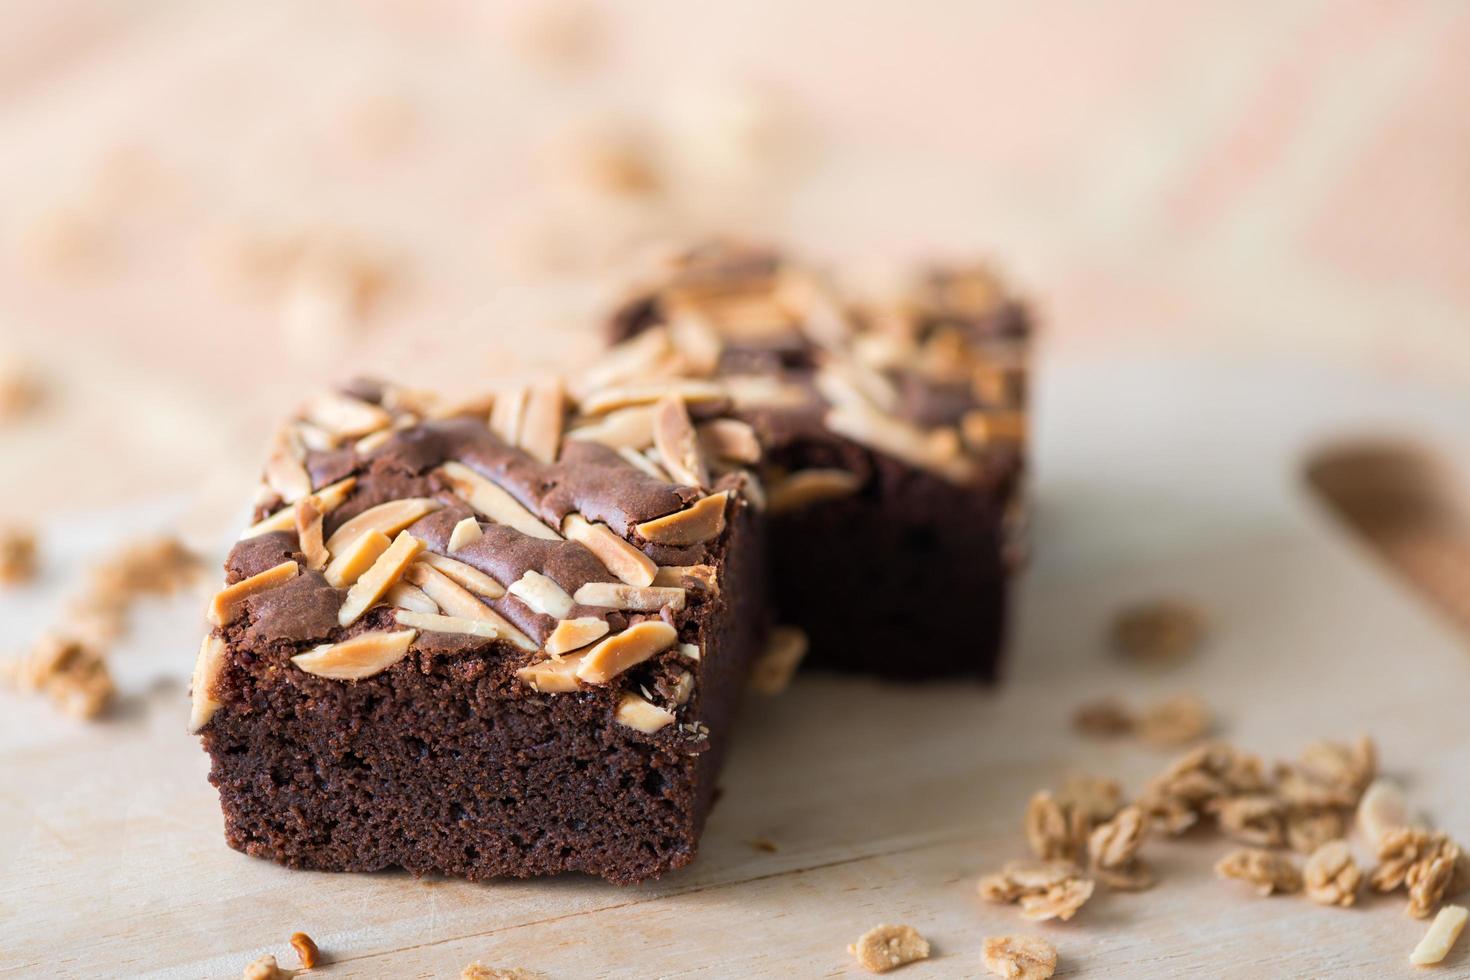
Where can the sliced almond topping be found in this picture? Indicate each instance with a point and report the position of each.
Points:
(455, 600)
(389, 518)
(309, 533)
(643, 464)
(327, 499)
(541, 594)
(285, 474)
(574, 634)
(639, 713)
(638, 357)
(542, 424)
(697, 342)
(314, 437)
(698, 577)
(371, 442)
(937, 450)
(697, 523)
(729, 439)
(435, 623)
(806, 487)
(553, 676)
(776, 665)
(207, 669)
(228, 601)
(689, 651)
(616, 595)
(1440, 938)
(465, 574)
(465, 532)
(410, 597)
(647, 392)
(506, 415)
(362, 656)
(763, 391)
(626, 428)
(677, 443)
(850, 384)
(626, 649)
(344, 416)
(351, 562)
(683, 687)
(389, 568)
(982, 429)
(495, 503)
(622, 559)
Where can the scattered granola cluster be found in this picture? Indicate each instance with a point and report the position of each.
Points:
(1159, 633)
(68, 664)
(1020, 957)
(17, 555)
(265, 968)
(883, 948)
(1174, 721)
(20, 390)
(1305, 806)
(478, 971)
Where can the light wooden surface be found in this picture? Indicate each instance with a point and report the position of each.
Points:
(886, 802)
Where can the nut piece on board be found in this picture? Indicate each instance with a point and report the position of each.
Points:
(1020, 957)
(883, 948)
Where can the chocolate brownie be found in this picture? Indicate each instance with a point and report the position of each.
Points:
(467, 640)
(893, 433)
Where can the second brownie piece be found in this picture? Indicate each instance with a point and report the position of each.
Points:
(894, 434)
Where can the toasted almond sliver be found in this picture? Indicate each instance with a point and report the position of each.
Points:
(344, 416)
(697, 342)
(285, 474)
(507, 413)
(541, 427)
(465, 532)
(389, 568)
(1381, 809)
(627, 649)
(328, 498)
(643, 464)
(638, 357)
(641, 714)
(574, 634)
(696, 523)
(937, 450)
(410, 597)
(647, 392)
(689, 651)
(371, 442)
(228, 602)
(616, 595)
(455, 600)
(730, 439)
(683, 687)
(677, 442)
(806, 487)
(494, 502)
(763, 391)
(314, 437)
(698, 577)
(851, 384)
(390, 518)
(541, 594)
(626, 428)
(207, 669)
(773, 669)
(435, 623)
(465, 574)
(618, 556)
(982, 429)
(1440, 938)
(352, 561)
(553, 676)
(309, 533)
(362, 656)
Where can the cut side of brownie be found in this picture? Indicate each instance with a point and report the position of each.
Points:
(894, 434)
(472, 640)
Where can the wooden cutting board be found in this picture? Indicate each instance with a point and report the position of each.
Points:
(885, 803)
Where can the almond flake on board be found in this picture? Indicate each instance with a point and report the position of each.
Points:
(17, 555)
(1176, 721)
(1441, 937)
(1159, 633)
(883, 948)
(306, 950)
(364, 655)
(1381, 809)
(1103, 718)
(265, 968)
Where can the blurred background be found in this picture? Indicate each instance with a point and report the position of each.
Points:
(207, 209)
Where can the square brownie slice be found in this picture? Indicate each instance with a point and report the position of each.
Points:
(470, 640)
(894, 436)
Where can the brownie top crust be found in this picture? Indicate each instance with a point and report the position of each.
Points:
(932, 373)
(572, 536)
